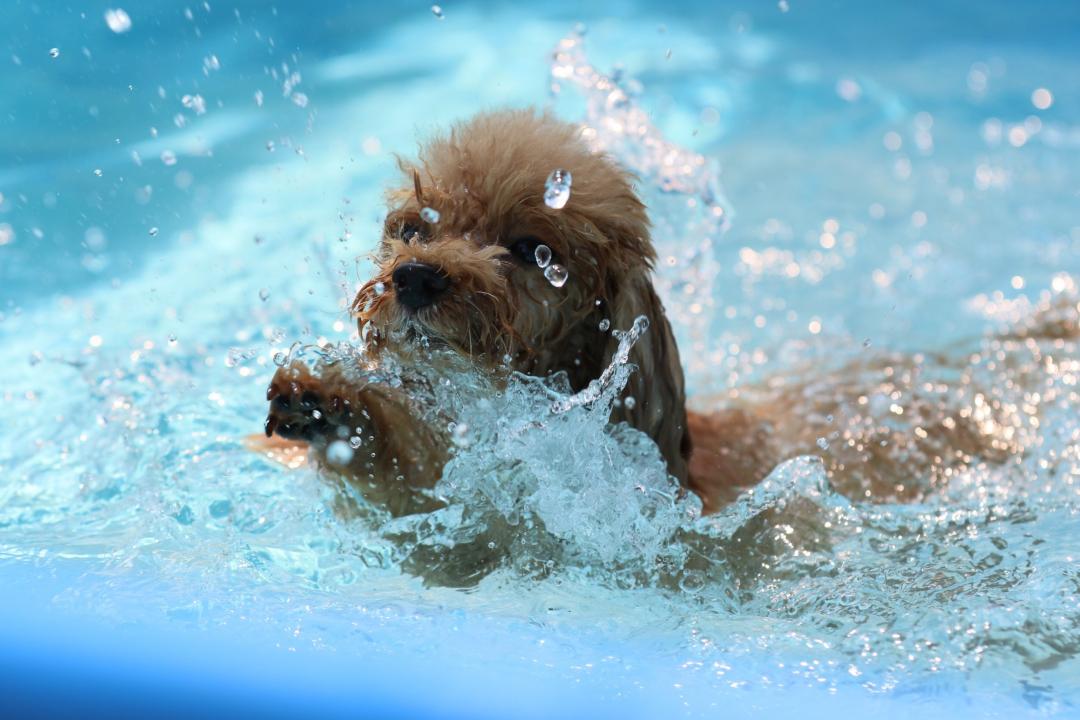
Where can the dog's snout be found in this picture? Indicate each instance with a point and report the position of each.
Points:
(418, 285)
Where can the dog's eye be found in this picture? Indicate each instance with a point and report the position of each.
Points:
(524, 249)
(406, 230)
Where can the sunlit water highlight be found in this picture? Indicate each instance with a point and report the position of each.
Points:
(126, 404)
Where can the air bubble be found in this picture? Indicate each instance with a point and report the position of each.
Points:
(629, 402)
(153, 232)
(557, 189)
(823, 443)
(556, 274)
(436, 10)
(543, 255)
(97, 171)
(54, 53)
(339, 453)
(604, 325)
(379, 288)
(168, 157)
(117, 20)
(264, 294)
(430, 215)
(300, 99)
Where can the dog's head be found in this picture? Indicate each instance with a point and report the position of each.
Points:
(458, 263)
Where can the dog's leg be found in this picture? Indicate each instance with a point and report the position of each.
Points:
(369, 433)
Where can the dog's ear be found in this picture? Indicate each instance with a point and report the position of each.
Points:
(658, 407)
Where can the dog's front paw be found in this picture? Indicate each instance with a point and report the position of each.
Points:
(300, 406)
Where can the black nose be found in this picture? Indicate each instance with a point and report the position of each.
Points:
(418, 285)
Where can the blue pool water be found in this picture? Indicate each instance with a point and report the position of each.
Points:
(182, 200)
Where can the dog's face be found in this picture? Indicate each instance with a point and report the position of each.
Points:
(467, 275)
(471, 278)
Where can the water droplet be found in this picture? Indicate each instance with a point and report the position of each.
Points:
(264, 294)
(168, 157)
(300, 99)
(430, 215)
(194, 102)
(54, 53)
(460, 435)
(604, 325)
(557, 189)
(259, 98)
(97, 171)
(378, 288)
(153, 232)
(823, 443)
(339, 453)
(783, 5)
(117, 20)
(543, 255)
(866, 343)
(556, 274)
(436, 10)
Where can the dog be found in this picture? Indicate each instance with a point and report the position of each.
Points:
(458, 264)
(472, 281)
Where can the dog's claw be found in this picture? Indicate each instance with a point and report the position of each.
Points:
(270, 424)
(271, 391)
(309, 400)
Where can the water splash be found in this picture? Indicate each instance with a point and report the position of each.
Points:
(680, 187)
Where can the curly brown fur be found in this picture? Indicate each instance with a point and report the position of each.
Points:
(486, 180)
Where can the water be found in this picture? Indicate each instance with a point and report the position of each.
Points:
(834, 191)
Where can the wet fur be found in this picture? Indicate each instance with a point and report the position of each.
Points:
(486, 180)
